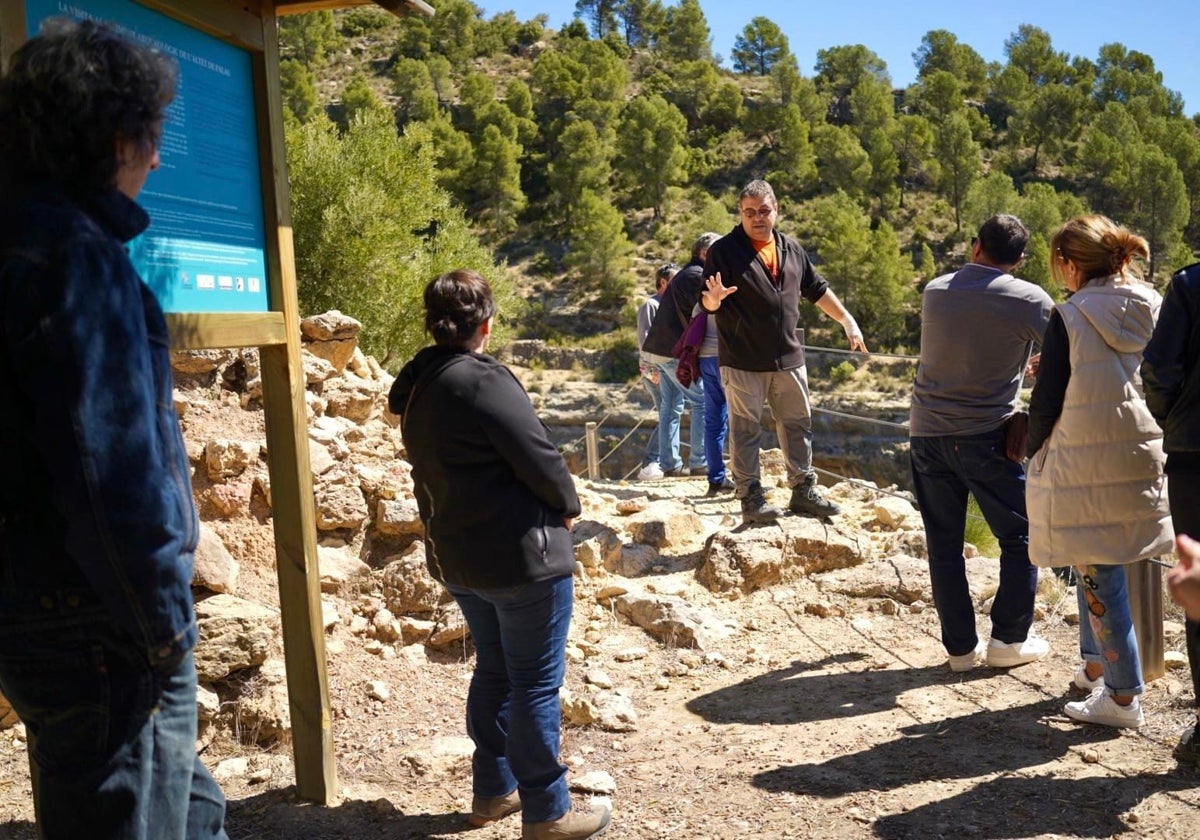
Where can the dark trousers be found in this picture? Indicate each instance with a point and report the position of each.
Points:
(1183, 491)
(945, 470)
(112, 741)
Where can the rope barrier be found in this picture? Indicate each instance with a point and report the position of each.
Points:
(865, 356)
(902, 426)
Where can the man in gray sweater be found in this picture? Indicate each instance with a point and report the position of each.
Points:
(978, 327)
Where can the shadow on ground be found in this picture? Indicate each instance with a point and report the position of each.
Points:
(276, 814)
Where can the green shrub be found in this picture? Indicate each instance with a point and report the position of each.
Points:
(842, 372)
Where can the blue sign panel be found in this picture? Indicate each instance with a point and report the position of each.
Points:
(205, 248)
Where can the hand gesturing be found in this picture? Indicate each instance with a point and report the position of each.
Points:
(714, 292)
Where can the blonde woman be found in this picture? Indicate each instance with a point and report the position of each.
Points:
(1096, 495)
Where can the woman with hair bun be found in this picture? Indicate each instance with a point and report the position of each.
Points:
(1096, 495)
(497, 503)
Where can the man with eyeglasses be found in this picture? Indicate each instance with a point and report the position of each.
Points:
(672, 318)
(978, 328)
(761, 356)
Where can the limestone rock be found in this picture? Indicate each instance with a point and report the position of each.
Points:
(597, 781)
(408, 588)
(451, 628)
(329, 326)
(339, 503)
(596, 545)
(350, 397)
(633, 560)
(234, 634)
(378, 690)
(746, 561)
(341, 571)
(208, 704)
(316, 369)
(895, 513)
(674, 622)
(226, 458)
(900, 578)
(199, 362)
(262, 714)
(664, 524)
(214, 568)
(398, 518)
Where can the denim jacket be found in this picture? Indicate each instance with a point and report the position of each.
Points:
(96, 506)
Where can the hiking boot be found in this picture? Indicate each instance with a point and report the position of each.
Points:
(650, 472)
(1001, 655)
(716, 488)
(1102, 709)
(573, 824)
(756, 510)
(1187, 751)
(808, 500)
(487, 810)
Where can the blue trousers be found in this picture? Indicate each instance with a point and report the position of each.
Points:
(112, 742)
(650, 456)
(669, 413)
(716, 418)
(513, 713)
(945, 470)
(1106, 627)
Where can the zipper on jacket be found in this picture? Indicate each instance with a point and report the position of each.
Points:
(543, 537)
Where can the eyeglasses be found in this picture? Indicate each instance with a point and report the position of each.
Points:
(761, 212)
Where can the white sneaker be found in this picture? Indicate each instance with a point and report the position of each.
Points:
(1100, 708)
(1001, 655)
(966, 661)
(1082, 680)
(650, 472)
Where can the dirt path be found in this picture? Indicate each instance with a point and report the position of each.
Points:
(805, 727)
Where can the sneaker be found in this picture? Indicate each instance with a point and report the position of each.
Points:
(573, 824)
(1082, 680)
(650, 472)
(1187, 751)
(698, 471)
(807, 499)
(716, 488)
(1001, 655)
(678, 472)
(485, 810)
(755, 507)
(1101, 709)
(966, 661)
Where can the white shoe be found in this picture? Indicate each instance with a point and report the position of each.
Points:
(966, 661)
(1001, 655)
(650, 472)
(1082, 680)
(1100, 708)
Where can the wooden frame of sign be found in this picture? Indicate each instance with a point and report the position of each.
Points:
(251, 25)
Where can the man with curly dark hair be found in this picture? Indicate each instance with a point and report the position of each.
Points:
(97, 523)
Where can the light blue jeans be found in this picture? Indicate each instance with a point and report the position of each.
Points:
(650, 456)
(669, 413)
(1106, 627)
(513, 713)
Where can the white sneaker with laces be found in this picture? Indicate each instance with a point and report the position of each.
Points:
(1001, 655)
(966, 661)
(650, 472)
(1082, 680)
(1102, 709)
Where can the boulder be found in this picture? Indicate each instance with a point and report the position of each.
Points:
(899, 578)
(329, 326)
(235, 634)
(398, 518)
(339, 503)
(316, 369)
(408, 588)
(214, 568)
(451, 628)
(226, 458)
(675, 622)
(262, 715)
(341, 571)
(895, 513)
(758, 557)
(350, 397)
(633, 560)
(663, 524)
(596, 545)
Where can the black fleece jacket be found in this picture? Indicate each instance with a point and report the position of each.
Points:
(1171, 371)
(756, 325)
(678, 300)
(492, 489)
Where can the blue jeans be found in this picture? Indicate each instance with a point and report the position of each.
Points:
(513, 713)
(716, 418)
(112, 742)
(669, 413)
(1106, 627)
(650, 456)
(945, 470)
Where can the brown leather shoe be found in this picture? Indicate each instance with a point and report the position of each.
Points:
(573, 825)
(485, 811)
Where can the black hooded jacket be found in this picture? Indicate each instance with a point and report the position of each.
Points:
(492, 489)
(756, 325)
(1171, 371)
(675, 311)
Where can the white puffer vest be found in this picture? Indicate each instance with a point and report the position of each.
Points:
(1095, 491)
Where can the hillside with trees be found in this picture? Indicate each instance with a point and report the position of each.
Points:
(566, 164)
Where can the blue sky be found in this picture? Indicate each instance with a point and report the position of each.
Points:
(1167, 30)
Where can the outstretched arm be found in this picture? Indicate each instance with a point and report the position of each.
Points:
(833, 307)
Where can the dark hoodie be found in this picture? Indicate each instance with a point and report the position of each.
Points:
(492, 489)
